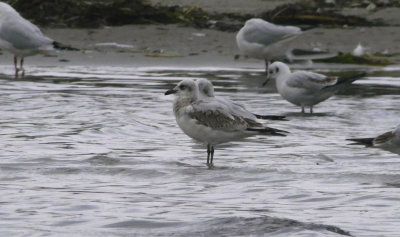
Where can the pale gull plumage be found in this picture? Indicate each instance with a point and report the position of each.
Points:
(263, 40)
(388, 140)
(211, 122)
(21, 37)
(305, 88)
(206, 90)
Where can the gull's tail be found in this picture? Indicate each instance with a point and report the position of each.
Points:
(361, 141)
(303, 54)
(270, 117)
(351, 78)
(269, 131)
(345, 81)
(60, 46)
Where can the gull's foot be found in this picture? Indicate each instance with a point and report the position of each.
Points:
(17, 70)
(210, 165)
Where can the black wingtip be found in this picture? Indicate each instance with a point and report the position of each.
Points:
(351, 78)
(361, 141)
(269, 131)
(60, 46)
(271, 117)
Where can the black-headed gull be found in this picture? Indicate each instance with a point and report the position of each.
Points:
(21, 37)
(263, 40)
(211, 122)
(388, 140)
(305, 88)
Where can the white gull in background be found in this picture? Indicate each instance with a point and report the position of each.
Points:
(21, 37)
(263, 40)
(211, 122)
(388, 140)
(359, 50)
(206, 90)
(305, 88)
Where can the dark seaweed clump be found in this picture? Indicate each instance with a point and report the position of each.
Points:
(97, 13)
(313, 12)
(347, 58)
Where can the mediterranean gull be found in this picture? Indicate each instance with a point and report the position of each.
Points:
(211, 122)
(206, 90)
(21, 37)
(389, 140)
(263, 40)
(304, 88)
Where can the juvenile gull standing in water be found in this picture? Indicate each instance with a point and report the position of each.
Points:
(21, 37)
(263, 40)
(304, 88)
(206, 90)
(211, 122)
(389, 140)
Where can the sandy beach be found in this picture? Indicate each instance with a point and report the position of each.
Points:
(174, 45)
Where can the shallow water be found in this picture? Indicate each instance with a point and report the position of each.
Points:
(96, 151)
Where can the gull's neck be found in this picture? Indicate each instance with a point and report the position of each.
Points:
(183, 101)
(281, 80)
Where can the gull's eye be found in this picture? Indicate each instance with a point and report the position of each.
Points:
(277, 69)
(182, 87)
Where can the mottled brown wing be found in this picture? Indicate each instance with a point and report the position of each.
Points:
(218, 120)
(383, 138)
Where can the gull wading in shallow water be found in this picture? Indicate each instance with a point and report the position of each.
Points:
(263, 40)
(211, 122)
(304, 88)
(22, 38)
(206, 90)
(389, 140)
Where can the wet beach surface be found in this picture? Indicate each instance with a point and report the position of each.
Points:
(95, 150)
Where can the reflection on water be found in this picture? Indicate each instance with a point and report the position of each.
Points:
(97, 150)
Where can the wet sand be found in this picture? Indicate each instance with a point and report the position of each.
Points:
(174, 45)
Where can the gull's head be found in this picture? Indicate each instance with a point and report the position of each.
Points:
(206, 88)
(275, 70)
(256, 21)
(185, 89)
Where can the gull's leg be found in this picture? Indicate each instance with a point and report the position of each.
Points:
(212, 154)
(267, 63)
(311, 110)
(16, 66)
(22, 66)
(208, 153)
(302, 109)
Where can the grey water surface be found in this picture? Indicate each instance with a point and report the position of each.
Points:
(95, 151)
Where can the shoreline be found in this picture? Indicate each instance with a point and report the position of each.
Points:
(174, 45)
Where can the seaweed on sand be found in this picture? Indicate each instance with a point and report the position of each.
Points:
(96, 13)
(347, 58)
